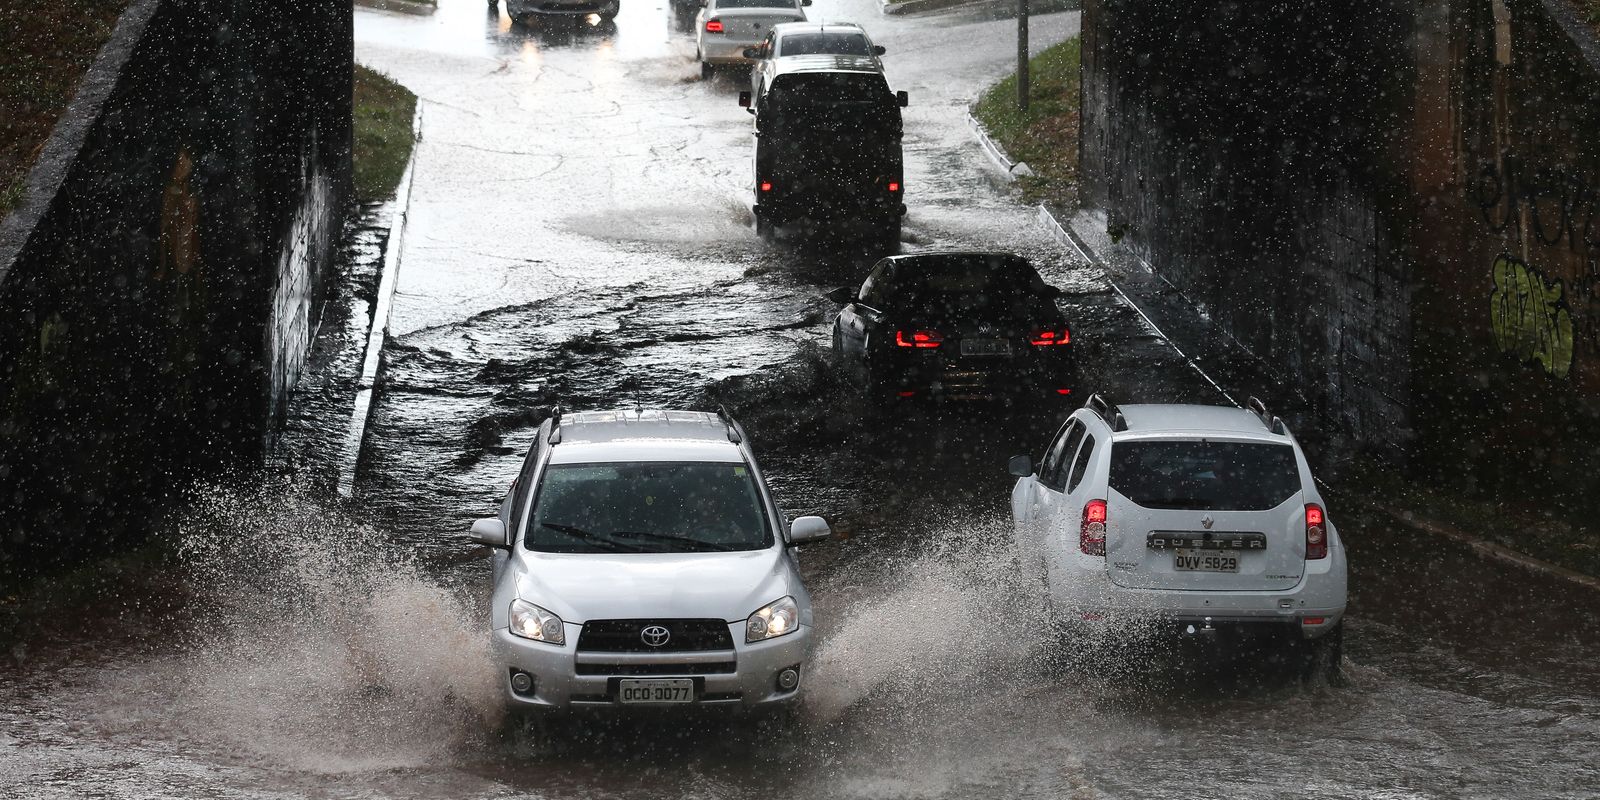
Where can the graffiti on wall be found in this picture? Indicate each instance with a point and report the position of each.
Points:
(1560, 206)
(1530, 318)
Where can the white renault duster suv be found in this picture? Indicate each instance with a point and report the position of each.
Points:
(1203, 517)
(640, 559)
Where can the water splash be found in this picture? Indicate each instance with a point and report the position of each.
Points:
(319, 646)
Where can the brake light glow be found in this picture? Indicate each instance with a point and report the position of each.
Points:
(894, 186)
(1050, 336)
(1063, 391)
(1092, 536)
(1316, 532)
(907, 393)
(766, 186)
(713, 26)
(918, 339)
(1313, 620)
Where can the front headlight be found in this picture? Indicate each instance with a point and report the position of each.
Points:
(772, 620)
(532, 622)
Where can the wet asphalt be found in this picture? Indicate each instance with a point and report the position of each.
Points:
(578, 235)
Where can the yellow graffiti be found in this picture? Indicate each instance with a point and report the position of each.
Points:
(1530, 320)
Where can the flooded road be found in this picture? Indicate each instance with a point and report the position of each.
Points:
(576, 235)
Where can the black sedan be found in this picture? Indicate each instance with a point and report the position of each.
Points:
(955, 325)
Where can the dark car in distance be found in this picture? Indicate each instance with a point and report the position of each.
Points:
(959, 325)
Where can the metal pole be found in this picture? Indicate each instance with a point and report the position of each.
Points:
(1022, 55)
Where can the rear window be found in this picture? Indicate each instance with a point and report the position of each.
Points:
(1202, 475)
(824, 44)
(960, 285)
(755, 4)
(829, 88)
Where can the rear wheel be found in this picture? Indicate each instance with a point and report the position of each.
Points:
(1323, 658)
(890, 237)
(764, 228)
(706, 71)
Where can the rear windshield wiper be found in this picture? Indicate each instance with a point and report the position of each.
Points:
(594, 538)
(673, 539)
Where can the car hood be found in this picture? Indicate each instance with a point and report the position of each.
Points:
(579, 587)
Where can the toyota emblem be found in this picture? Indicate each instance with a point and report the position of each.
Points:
(655, 635)
(1207, 521)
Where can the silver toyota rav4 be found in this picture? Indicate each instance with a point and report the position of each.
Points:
(1204, 517)
(641, 560)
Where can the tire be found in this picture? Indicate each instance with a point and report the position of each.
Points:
(1323, 658)
(706, 71)
(764, 228)
(890, 238)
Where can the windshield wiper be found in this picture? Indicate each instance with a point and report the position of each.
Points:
(594, 538)
(673, 539)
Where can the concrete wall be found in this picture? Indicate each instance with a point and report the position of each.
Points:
(160, 280)
(1390, 203)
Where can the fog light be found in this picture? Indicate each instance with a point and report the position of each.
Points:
(521, 682)
(788, 679)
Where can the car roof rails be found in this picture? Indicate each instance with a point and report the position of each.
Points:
(1255, 406)
(1107, 411)
(735, 433)
(555, 425)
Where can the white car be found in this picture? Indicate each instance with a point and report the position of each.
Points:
(809, 39)
(640, 559)
(724, 29)
(1202, 518)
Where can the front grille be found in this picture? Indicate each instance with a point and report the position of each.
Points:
(718, 668)
(626, 636)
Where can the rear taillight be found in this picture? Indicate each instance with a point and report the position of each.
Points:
(921, 339)
(894, 186)
(713, 26)
(1316, 532)
(1092, 537)
(766, 186)
(1049, 336)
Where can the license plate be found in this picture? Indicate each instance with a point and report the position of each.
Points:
(673, 690)
(1187, 560)
(985, 347)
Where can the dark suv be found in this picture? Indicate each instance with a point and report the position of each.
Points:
(827, 151)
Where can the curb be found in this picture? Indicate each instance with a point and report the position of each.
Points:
(372, 362)
(920, 6)
(996, 153)
(1483, 548)
(399, 6)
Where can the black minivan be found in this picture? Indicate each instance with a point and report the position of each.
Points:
(827, 148)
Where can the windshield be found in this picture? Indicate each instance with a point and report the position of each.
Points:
(1202, 475)
(647, 507)
(824, 44)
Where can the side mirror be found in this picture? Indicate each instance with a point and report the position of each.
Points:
(843, 295)
(490, 531)
(809, 529)
(744, 99)
(1020, 466)
(902, 99)
(878, 50)
(752, 53)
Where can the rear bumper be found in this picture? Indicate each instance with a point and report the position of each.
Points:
(725, 49)
(564, 678)
(1078, 588)
(832, 209)
(518, 8)
(1042, 377)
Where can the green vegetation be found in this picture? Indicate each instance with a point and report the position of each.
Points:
(383, 136)
(1589, 11)
(45, 48)
(1046, 136)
